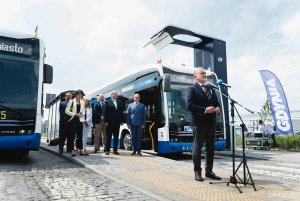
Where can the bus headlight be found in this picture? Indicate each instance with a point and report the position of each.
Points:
(22, 131)
(29, 132)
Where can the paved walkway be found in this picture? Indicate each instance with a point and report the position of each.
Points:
(43, 176)
(166, 179)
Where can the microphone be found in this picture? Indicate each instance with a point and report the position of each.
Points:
(221, 82)
(212, 85)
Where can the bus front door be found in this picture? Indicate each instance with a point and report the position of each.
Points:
(149, 136)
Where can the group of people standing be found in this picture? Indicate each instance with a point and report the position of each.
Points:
(77, 117)
(75, 120)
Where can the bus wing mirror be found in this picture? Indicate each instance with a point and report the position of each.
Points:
(48, 74)
(166, 82)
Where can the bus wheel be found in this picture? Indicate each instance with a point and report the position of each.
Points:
(22, 153)
(25, 153)
(127, 141)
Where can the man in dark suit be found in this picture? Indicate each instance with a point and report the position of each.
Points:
(63, 123)
(100, 137)
(113, 118)
(203, 105)
(135, 117)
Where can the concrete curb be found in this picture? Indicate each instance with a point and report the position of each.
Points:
(81, 163)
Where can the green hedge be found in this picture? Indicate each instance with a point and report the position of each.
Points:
(287, 141)
(283, 141)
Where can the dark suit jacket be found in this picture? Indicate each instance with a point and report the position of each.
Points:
(197, 101)
(98, 112)
(62, 108)
(113, 116)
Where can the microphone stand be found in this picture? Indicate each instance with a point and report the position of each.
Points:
(244, 160)
(233, 178)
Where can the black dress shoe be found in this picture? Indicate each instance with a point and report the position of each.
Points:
(212, 175)
(116, 153)
(106, 153)
(60, 151)
(133, 153)
(198, 176)
(139, 153)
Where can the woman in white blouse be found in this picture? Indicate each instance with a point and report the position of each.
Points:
(76, 110)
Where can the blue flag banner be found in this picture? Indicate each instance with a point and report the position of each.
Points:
(278, 103)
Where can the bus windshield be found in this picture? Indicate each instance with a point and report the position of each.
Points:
(18, 83)
(176, 100)
(177, 104)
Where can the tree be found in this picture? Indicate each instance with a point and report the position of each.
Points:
(45, 126)
(265, 112)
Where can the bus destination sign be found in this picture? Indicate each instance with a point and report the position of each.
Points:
(15, 47)
(184, 79)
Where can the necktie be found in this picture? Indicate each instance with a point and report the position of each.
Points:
(115, 103)
(207, 92)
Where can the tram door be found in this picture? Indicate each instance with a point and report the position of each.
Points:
(149, 136)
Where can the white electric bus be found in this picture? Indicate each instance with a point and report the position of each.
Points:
(163, 90)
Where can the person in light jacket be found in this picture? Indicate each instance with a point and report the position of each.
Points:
(76, 110)
(87, 124)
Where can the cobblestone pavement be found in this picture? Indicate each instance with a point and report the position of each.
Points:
(275, 177)
(43, 176)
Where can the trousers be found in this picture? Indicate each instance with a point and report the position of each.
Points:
(204, 135)
(136, 135)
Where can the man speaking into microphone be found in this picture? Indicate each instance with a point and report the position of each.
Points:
(203, 105)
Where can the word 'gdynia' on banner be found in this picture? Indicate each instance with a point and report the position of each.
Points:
(278, 103)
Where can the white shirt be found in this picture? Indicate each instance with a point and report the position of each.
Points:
(89, 116)
(115, 103)
(266, 128)
(202, 86)
(102, 104)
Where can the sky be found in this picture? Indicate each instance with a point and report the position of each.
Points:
(93, 42)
